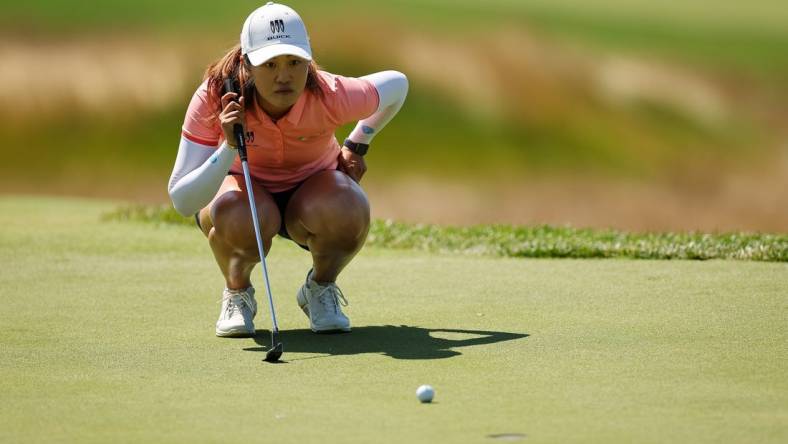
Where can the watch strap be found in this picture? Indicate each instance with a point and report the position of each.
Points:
(358, 148)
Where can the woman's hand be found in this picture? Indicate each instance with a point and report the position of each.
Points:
(352, 164)
(232, 114)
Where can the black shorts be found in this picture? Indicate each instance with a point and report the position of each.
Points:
(281, 199)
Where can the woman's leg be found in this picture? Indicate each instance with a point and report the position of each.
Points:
(227, 223)
(329, 213)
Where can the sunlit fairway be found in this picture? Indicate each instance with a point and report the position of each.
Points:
(108, 336)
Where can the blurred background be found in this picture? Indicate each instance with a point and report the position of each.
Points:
(629, 114)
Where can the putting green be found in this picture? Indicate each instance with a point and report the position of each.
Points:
(107, 335)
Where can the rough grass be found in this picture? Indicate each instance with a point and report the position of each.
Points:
(546, 121)
(537, 241)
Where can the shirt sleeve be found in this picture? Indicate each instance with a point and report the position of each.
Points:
(356, 99)
(201, 124)
(392, 87)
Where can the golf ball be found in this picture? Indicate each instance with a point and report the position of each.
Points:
(425, 393)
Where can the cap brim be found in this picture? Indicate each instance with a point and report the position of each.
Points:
(260, 56)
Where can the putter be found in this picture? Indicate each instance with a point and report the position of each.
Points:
(275, 353)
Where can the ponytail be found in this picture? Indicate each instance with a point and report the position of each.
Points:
(230, 66)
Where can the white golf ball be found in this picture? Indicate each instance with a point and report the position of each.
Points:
(425, 393)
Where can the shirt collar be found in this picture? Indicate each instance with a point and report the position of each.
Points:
(294, 115)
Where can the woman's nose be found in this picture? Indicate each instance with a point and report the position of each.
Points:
(283, 75)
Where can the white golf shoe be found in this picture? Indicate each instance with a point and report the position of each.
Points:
(238, 310)
(321, 303)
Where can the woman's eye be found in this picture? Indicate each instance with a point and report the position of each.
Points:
(295, 62)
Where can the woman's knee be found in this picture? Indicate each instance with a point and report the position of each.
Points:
(232, 220)
(348, 211)
(334, 206)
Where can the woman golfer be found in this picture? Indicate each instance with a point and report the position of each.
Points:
(304, 184)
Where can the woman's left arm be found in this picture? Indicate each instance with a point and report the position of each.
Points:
(392, 87)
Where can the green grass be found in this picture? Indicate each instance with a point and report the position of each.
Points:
(535, 241)
(108, 336)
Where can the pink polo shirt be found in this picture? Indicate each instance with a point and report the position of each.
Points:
(299, 144)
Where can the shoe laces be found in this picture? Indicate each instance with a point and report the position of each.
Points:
(236, 305)
(330, 296)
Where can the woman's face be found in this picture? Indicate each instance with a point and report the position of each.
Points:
(279, 82)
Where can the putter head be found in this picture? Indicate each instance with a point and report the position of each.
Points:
(274, 354)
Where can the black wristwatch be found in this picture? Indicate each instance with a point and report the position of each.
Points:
(358, 148)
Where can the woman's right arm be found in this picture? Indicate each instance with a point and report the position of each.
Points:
(198, 173)
(199, 168)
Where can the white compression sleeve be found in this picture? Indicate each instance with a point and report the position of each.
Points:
(198, 173)
(392, 88)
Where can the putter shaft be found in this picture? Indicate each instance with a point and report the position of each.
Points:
(256, 223)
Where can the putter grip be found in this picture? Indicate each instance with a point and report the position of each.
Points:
(238, 130)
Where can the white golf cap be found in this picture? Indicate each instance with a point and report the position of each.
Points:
(273, 30)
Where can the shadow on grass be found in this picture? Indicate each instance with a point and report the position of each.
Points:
(399, 342)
